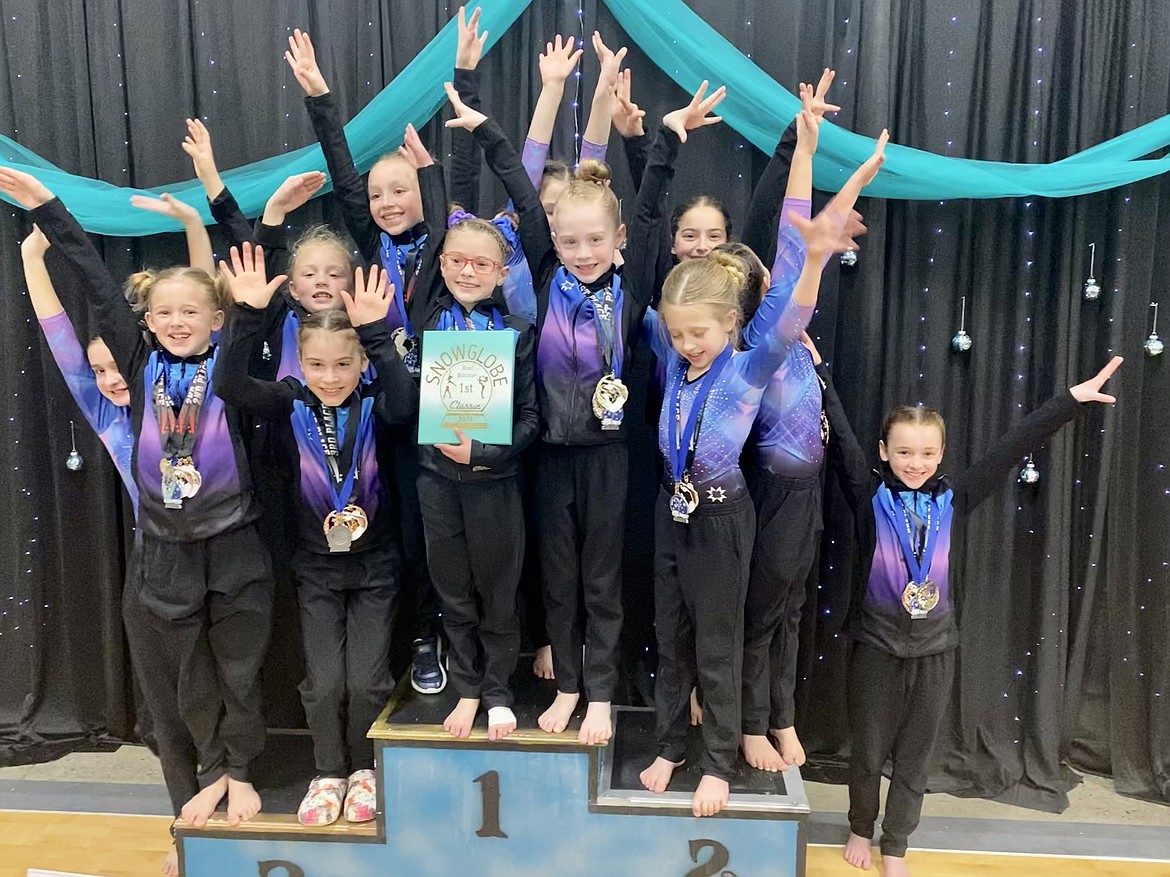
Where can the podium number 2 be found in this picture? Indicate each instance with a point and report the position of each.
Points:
(489, 788)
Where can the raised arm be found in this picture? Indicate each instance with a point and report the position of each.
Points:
(224, 209)
(979, 481)
(596, 140)
(119, 326)
(60, 335)
(627, 118)
(348, 187)
(397, 398)
(433, 195)
(557, 63)
(844, 454)
(198, 243)
(465, 157)
(501, 158)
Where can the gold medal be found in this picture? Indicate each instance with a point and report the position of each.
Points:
(919, 598)
(189, 478)
(609, 398)
(343, 527)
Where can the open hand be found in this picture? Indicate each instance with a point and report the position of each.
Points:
(246, 277)
(694, 115)
(465, 116)
(460, 453)
(369, 302)
(168, 205)
(296, 191)
(197, 145)
(413, 151)
(25, 189)
(1090, 390)
(611, 62)
(559, 60)
(469, 47)
(302, 58)
(626, 115)
(818, 104)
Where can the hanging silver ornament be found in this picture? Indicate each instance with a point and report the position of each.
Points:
(1154, 345)
(849, 258)
(1092, 289)
(962, 342)
(1030, 474)
(73, 462)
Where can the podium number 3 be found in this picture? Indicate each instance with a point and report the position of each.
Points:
(489, 788)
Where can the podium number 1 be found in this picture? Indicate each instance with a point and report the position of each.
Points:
(489, 787)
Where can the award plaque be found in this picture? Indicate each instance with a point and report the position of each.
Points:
(467, 384)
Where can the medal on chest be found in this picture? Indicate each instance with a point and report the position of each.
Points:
(918, 538)
(343, 527)
(407, 347)
(181, 478)
(684, 438)
(684, 501)
(347, 521)
(609, 400)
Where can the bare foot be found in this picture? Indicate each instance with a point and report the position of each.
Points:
(894, 866)
(501, 722)
(542, 665)
(556, 718)
(597, 726)
(857, 852)
(710, 797)
(198, 810)
(790, 749)
(657, 776)
(759, 752)
(170, 865)
(243, 802)
(696, 710)
(459, 723)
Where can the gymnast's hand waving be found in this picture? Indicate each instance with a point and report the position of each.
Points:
(695, 114)
(465, 116)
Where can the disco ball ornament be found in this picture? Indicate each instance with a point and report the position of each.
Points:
(74, 462)
(1154, 346)
(962, 342)
(1092, 289)
(849, 258)
(1030, 474)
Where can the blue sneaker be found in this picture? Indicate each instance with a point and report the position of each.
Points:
(428, 675)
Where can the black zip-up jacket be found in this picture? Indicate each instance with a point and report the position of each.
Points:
(869, 620)
(565, 401)
(396, 403)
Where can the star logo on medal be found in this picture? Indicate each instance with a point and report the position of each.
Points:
(716, 494)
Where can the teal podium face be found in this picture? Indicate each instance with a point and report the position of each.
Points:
(501, 810)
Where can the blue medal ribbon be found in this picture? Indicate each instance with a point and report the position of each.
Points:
(903, 525)
(682, 445)
(455, 319)
(394, 261)
(304, 419)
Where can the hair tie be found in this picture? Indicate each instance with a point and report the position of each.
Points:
(458, 216)
(509, 231)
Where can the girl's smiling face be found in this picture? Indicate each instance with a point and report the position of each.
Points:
(181, 316)
(914, 452)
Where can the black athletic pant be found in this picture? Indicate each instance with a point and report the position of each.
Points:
(198, 625)
(896, 706)
(421, 603)
(700, 582)
(789, 524)
(475, 550)
(347, 604)
(581, 512)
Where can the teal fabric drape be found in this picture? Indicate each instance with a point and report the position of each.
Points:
(689, 51)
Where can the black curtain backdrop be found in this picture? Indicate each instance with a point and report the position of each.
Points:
(1067, 586)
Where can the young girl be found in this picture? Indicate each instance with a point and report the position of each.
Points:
(705, 521)
(205, 580)
(902, 616)
(788, 449)
(471, 497)
(384, 216)
(589, 319)
(347, 564)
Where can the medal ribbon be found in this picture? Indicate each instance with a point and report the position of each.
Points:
(394, 260)
(608, 343)
(455, 318)
(682, 446)
(903, 525)
(323, 435)
(179, 431)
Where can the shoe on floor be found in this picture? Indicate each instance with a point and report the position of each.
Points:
(322, 803)
(361, 801)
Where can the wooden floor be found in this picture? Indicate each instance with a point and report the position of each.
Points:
(133, 846)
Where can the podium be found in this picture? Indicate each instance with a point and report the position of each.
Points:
(532, 804)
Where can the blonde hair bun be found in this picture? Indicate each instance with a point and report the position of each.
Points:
(593, 171)
(732, 264)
